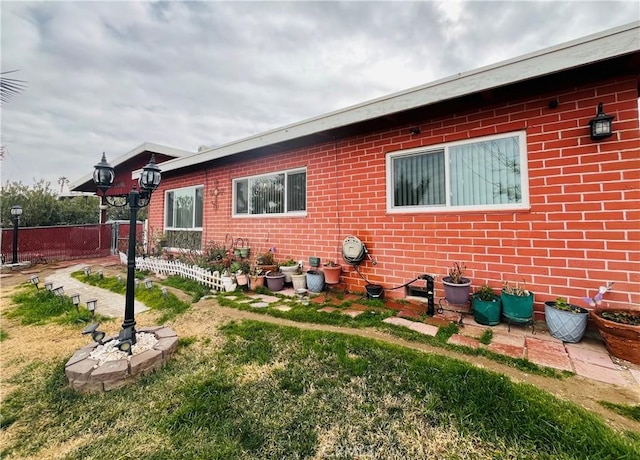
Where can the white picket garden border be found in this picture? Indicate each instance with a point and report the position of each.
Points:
(159, 266)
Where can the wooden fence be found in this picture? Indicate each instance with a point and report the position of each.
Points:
(213, 280)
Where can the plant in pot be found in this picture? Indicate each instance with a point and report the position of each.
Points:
(315, 280)
(332, 272)
(228, 281)
(256, 278)
(288, 267)
(240, 270)
(619, 327)
(517, 302)
(565, 321)
(456, 286)
(275, 279)
(299, 279)
(487, 306)
(266, 261)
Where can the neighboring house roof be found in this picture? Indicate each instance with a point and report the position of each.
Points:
(85, 183)
(588, 50)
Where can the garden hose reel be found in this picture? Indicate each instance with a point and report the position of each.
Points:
(354, 251)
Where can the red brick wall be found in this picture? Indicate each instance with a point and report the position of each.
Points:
(582, 229)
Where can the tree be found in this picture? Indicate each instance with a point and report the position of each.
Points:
(41, 207)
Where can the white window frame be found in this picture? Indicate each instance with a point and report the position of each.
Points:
(447, 207)
(166, 211)
(286, 173)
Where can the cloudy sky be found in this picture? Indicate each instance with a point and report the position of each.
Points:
(107, 76)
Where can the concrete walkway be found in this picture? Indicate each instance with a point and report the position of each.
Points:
(109, 303)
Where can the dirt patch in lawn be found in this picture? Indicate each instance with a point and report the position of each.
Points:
(26, 344)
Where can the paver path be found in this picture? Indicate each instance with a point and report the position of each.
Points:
(109, 303)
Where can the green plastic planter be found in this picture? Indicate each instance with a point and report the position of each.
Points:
(487, 312)
(517, 309)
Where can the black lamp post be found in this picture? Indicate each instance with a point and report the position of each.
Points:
(103, 176)
(16, 212)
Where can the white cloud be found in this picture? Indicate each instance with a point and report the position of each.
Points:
(107, 76)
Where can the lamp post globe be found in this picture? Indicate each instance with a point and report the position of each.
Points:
(149, 181)
(16, 212)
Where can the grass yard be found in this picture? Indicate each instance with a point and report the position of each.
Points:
(250, 389)
(260, 391)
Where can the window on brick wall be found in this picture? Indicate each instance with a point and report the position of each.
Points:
(183, 217)
(282, 193)
(488, 173)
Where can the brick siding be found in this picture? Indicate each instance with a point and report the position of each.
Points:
(581, 230)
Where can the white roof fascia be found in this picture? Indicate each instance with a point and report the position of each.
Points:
(144, 147)
(587, 50)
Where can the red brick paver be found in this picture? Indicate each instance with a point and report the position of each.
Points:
(548, 353)
(458, 339)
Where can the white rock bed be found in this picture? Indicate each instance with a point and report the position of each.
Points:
(108, 351)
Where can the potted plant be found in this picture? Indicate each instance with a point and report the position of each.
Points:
(619, 327)
(315, 280)
(456, 286)
(486, 306)
(565, 321)
(517, 302)
(266, 261)
(256, 278)
(288, 267)
(240, 270)
(299, 279)
(228, 282)
(275, 279)
(332, 272)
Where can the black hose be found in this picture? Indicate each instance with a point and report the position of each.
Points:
(385, 289)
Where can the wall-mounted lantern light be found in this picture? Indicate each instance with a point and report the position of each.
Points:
(602, 125)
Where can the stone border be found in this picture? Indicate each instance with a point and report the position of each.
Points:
(84, 374)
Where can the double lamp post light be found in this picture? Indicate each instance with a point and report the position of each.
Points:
(103, 176)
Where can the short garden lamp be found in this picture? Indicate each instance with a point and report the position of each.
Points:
(601, 126)
(137, 198)
(91, 306)
(75, 298)
(48, 285)
(59, 291)
(16, 212)
(100, 274)
(148, 283)
(165, 294)
(35, 280)
(87, 271)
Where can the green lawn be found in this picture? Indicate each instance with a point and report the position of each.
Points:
(269, 392)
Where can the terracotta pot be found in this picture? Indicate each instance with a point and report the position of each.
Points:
(256, 281)
(622, 340)
(242, 279)
(332, 274)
